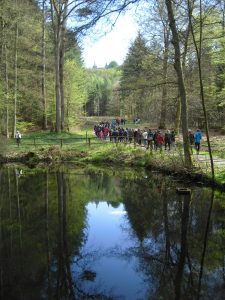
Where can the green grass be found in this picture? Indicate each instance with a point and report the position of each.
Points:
(45, 139)
(220, 176)
(75, 146)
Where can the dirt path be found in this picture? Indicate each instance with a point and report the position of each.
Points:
(205, 159)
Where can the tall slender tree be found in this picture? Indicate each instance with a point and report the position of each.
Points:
(166, 37)
(198, 49)
(43, 78)
(15, 80)
(181, 84)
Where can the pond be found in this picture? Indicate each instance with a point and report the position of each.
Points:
(87, 233)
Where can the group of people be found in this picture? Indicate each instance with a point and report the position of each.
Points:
(150, 139)
(118, 121)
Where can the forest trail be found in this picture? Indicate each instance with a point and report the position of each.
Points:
(206, 159)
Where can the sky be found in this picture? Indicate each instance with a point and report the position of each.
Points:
(111, 46)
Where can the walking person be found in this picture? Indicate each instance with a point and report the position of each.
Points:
(155, 139)
(150, 139)
(173, 139)
(130, 135)
(167, 139)
(139, 136)
(160, 140)
(145, 138)
(191, 139)
(197, 137)
(18, 137)
(135, 136)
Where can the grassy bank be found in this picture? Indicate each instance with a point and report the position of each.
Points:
(83, 147)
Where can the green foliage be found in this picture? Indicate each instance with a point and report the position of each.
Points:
(139, 73)
(75, 92)
(24, 126)
(27, 16)
(112, 64)
(220, 175)
(101, 86)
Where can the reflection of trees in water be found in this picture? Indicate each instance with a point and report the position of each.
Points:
(67, 286)
(172, 231)
(85, 274)
(179, 241)
(42, 219)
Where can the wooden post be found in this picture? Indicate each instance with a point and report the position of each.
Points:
(89, 142)
(86, 137)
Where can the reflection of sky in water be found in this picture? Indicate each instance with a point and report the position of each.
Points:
(104, 224)
(115, 272)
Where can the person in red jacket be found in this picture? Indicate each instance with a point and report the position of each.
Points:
(106, 132)
(160, 140)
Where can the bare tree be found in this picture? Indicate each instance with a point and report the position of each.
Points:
(43, 54)
(166, 36)
(198, 49)
(15, 82)
(181, 84)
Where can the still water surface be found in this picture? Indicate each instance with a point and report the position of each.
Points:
(73, 233)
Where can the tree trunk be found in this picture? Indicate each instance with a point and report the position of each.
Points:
(6, 89)
(162, 123)
(15, 83)
(43, 85)
(7, 93)
(59, 17)
(57, 82)
(4, 63)
(181, 85)
(202, 93)
(61, 70)
(178, 114)
(62, 52)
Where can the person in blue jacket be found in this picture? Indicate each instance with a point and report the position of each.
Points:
(197, 137)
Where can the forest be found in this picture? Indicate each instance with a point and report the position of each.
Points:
(66, 192)
(172, 76)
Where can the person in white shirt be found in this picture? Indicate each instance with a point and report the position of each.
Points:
(145, 137)
(18, 137)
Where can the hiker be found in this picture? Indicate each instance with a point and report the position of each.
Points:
(191, 139)
(173, 138)
(130, 135)
(106, 132)
(150, 139)
(135, 135)
(101, 135)
(160, 140)
(118, 121)
(145, 138)
(167, 140)
(155, 139)
(18, 137)
(139, 136)
(197, 137)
